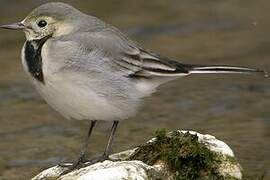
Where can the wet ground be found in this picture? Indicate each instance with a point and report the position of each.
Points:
(234, 108)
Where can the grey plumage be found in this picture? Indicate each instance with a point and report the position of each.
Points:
(92, 71)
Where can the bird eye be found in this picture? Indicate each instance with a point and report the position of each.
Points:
(42, 23)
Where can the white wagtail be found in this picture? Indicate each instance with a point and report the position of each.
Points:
(87, 69)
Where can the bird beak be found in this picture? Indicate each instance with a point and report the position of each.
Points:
(14, 26)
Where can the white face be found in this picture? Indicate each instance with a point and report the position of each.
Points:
(44, 26)
(40, 27)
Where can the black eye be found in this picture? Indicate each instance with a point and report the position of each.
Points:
(42, 23)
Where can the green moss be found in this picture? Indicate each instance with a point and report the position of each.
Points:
(185, 156)
(231, 159)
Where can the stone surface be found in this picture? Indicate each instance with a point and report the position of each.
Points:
(106, 170)
(133, 169)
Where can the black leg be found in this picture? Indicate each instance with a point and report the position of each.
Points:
(82, 162)
(92, 125)
(108, 149)
(82, 158)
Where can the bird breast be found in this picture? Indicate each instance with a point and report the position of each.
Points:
(79, 96)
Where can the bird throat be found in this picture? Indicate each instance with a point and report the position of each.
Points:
(33, 58)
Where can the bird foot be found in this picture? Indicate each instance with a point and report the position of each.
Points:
(81, 163)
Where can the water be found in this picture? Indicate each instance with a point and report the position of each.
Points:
(234, 108)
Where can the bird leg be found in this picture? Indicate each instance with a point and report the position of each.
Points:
(82, 162)
(82, 159)
(108, 150)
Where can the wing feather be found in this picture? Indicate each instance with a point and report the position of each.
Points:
(145, 63)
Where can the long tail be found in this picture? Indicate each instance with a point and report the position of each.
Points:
(193, 69)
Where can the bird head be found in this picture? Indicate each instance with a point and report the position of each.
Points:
(51, 19)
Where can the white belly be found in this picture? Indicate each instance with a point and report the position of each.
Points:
(76, 100)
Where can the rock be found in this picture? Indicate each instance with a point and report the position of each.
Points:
(176, 155)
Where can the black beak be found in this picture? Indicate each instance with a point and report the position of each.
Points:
(14, 26)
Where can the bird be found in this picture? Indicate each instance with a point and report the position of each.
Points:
(87, 69)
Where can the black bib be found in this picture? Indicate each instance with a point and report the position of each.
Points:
(33, 58)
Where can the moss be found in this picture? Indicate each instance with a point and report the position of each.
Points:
(185, 156)
(231, 159)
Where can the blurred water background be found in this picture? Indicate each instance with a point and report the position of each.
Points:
(234, 108)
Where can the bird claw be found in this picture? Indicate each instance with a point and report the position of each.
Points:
(81, 163)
